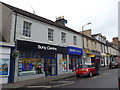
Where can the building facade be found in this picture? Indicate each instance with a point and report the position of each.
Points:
(44, 47)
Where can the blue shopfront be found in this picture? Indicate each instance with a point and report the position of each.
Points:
(75, 57)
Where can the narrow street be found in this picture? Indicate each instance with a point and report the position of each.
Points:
(107, 79)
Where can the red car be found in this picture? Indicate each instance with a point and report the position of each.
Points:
(86, 70)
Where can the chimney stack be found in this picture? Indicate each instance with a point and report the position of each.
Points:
(115, 40)
(61, 20)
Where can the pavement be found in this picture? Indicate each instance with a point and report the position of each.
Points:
(40, 80)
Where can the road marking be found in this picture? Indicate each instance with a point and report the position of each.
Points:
(63, 84)
(60, 81)
(94, 77)
(39, 86)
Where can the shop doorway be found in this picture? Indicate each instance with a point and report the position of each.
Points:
(50, 66)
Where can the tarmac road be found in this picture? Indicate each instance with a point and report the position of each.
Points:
(107, 79)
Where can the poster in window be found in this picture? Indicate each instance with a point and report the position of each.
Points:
(64, 64)
(4, 64)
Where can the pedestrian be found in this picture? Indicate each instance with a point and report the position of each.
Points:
(97, 68)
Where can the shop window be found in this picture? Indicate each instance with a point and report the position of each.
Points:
(74, 61)
(70, 62)
(29, 64)
(64, 62)
(4, 67)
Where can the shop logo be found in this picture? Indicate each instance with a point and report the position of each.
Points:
(74, 50)
(46, 48)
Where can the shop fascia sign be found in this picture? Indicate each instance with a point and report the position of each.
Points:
(107, 54)
(47, 48)
(74, 50)
(87, 51)
(92, 55)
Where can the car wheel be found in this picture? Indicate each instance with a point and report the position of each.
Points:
(90, 74)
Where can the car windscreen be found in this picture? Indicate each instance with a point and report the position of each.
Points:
(84, 66)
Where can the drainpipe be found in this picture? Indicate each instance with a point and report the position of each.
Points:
(15, 28)
(14, 61)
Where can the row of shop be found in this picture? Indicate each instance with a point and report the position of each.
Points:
(38, 60)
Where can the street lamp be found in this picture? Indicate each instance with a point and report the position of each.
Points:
(83, 34)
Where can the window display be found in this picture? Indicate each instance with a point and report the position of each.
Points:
(29, 64)
(4, 66)
(64, 63)
(34, 65)
(74, 61)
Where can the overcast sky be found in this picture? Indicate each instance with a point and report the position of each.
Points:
(103, 14)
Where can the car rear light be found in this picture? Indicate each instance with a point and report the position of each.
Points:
(76, 70)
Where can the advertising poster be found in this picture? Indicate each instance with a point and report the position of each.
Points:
(4, 64)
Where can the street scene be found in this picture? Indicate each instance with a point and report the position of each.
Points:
(39, 52)
(100, 81)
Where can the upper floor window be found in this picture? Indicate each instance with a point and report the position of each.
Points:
(27, 29)
(63, 37)
(95, 45)
(50, 34)
(75, 40)
(87, 43)
(101, 48)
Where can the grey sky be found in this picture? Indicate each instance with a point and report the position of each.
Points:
(103, 14)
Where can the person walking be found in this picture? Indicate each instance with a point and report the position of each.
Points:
(97, 68)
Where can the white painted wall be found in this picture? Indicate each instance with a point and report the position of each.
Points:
(0, 21)
(39, 33)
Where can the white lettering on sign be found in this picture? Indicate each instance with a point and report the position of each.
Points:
(74, 50)
(46, 48)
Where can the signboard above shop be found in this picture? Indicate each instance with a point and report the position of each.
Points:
(40, 47)
(74, 50)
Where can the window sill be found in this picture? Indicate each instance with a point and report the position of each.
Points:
(24, 37)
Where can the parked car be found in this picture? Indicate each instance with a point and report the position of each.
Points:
(86, 70)
(114, 64)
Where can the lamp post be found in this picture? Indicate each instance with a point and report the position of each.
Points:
(83, 34)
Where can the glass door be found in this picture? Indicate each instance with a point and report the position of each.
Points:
(50, 67)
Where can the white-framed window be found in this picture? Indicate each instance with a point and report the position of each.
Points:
(63, 37)
(50, 34)
(26, 29)
(75, 40)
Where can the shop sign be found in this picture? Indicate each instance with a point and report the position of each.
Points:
(96, 53)
(92, 55)
(47, 48)
(87, 51)
(27, 45)
(107, 54)
(74, 50)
